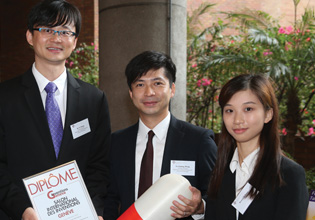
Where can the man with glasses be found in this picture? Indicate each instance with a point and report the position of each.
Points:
(39, 108)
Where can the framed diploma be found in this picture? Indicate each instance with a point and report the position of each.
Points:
(311, 207)
(60, 193)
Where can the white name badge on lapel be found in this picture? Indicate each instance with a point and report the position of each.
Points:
(183, 167)
(242, 201)
(80, 128)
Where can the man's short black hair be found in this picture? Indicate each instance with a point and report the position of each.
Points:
(52, 13)
(150, 60)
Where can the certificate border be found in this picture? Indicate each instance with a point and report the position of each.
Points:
(83, 187)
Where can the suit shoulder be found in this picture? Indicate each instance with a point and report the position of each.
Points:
(125, 131)
(88, 87)
(122, 138)
(291, 168)
(88, 92)
(10, 84)
(11, 89)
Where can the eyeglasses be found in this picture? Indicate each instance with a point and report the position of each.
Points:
(50, 32)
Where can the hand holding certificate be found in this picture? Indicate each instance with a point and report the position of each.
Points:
(60, 193)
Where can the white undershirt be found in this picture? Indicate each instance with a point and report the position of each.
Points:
(60, 94)
(158, 142)
(243, 171)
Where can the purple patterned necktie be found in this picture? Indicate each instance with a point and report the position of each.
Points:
(53, 116)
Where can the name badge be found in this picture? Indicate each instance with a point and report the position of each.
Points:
(183, 167)
(242, 201)
(80, 128)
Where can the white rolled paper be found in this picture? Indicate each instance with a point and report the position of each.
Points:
(155, 203)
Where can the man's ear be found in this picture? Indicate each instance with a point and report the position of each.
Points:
(29, 37)
(269, 115)
(130, 93)
(75, 43)
(173, 88)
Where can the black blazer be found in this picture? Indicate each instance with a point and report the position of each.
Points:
(288, 202)
(184, 142)
(26, 146)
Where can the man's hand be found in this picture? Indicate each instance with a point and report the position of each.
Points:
(100, 218)
(29, 214)
(191, 207)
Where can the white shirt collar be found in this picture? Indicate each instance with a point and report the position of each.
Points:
(160, 130)
(43, 81)
(248, 162)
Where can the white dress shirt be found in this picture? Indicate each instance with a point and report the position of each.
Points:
(243, 171)
(60, 94)
(158, 142)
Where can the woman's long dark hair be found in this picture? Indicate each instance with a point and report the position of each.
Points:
(267, 168)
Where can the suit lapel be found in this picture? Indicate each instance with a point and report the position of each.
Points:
(131, 155)
(228, 193)
(36, 107)
(172, 144)
(73, 103)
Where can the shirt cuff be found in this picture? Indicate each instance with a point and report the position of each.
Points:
(200, 216)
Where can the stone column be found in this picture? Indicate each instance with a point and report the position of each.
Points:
(129, 27)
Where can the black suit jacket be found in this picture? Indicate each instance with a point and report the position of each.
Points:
(184, 142)
(26, 146)
(288, 202)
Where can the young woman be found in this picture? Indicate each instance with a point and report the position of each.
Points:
(252, 179)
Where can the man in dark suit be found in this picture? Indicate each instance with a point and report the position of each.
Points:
(151, 81)
(28, 143)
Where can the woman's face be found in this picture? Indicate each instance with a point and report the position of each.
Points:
(244, 117)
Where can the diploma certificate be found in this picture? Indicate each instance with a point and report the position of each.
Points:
(60, 193)
(311, 207)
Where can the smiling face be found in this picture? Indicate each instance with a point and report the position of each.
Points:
(53, 49)
(151, 94)
(244, 117)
